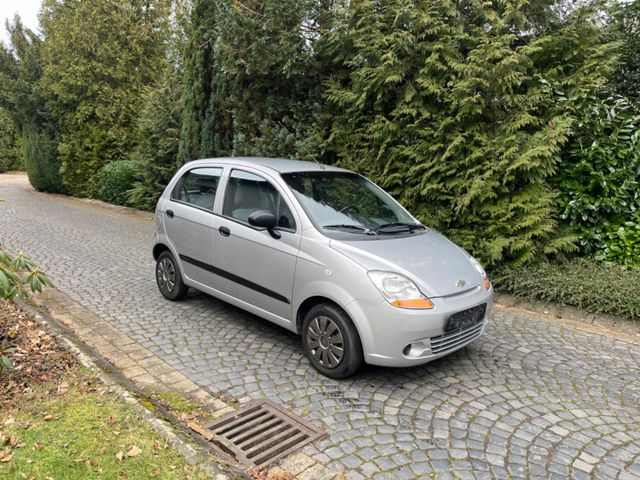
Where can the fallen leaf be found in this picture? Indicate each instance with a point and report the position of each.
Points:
(9, 421)
(38, 446)
(198, 429)
(63, 388)
(120, 456)
(116, 433)
(134, 451)
(48, 418)
(4, 458)
(14, 441)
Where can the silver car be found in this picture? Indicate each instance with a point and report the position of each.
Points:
(323, 252)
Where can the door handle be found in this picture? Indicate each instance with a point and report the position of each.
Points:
(224, 231)
(169, 213)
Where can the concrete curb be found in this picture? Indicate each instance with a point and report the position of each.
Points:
(606, 322)
(181, 442)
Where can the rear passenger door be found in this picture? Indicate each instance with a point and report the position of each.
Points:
(252, 265)
(189, 220)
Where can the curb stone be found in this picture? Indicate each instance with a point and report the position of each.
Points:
(193, 453)
(143, 370)
(608, 324)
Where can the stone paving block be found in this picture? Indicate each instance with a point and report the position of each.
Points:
(563, 399)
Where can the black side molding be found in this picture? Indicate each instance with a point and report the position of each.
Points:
(234, 278)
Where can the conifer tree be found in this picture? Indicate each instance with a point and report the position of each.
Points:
(98, 57)
(21, 68)
(253, 78)
(450, 106)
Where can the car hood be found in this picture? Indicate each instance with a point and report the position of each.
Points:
(437, 265)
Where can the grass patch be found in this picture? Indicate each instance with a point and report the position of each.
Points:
(85, 432)
(178, 402)
(183, 407)
(586, 284)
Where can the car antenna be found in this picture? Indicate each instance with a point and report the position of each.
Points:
(321, 165)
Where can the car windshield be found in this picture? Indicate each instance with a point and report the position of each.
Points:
(349, 203)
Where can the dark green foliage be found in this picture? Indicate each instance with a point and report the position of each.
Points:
(268, 49)
(10, 152)
(625, 26)
(115, 181)
(156, 154)
(450, 107)
(253, 79)
(599, 172)
(99, 56)
(622, 245)
(586, 284)
(20, 72)
(40, 159)
(207, 123)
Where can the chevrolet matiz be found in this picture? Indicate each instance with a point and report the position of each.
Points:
(323, 252)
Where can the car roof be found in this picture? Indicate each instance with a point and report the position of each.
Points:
(281, 165)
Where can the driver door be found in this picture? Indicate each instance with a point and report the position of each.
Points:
(254, 266)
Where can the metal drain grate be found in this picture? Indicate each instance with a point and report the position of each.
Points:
(262, 433)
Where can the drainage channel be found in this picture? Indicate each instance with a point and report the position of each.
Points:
(260, 434)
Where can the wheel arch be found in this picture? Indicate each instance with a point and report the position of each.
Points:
(158, 248)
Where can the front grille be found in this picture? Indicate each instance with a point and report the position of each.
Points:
(451, 340)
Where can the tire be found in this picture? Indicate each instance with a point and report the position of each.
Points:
(168, 277)
(323, 349)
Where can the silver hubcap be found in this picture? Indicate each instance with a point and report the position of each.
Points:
(166, 274)
(325, 342)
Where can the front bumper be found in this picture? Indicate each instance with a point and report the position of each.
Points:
(387, 331)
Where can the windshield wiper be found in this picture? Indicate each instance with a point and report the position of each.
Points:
(394, 227)
(350, 226)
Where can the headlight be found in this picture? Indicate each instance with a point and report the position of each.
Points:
(481, 271)
(398, 290)
(478, 267)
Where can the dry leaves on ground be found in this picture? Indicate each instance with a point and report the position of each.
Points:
(39, 356)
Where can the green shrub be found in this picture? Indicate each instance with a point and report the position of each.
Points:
(18, 274)
(621, 245)
(40, 159)
(598, 179)
(593, 286)
(115, 180)
(10, 155)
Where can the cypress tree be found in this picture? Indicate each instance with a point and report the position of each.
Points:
(21, 69)
(99, 57)
(450, 106)
(253, 79)
(206, 121)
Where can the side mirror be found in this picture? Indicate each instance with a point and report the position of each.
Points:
(264, 219)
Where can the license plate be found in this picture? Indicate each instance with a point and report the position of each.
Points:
(466, 318)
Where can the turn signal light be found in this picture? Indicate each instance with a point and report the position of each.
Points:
(487, 283)
(414, 303)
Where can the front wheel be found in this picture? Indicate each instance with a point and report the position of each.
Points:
(168, 277)
(331, 341)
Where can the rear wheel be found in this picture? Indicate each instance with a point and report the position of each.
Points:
(168, 277)
(331, 341)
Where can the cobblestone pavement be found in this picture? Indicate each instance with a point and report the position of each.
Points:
(531, 399)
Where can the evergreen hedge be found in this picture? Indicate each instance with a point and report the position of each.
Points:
(115, 180)
(452, 109)
(586, 284)
(41, 160)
